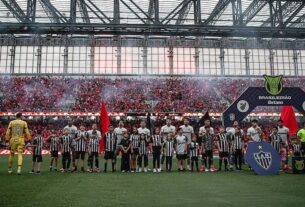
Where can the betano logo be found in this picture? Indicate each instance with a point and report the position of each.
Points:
(273, 84)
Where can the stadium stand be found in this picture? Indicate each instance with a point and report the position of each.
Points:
(38, 94)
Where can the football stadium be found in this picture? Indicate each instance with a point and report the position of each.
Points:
(152, 103)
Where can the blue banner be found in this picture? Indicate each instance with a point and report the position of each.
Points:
(259, 96)
(263, 158)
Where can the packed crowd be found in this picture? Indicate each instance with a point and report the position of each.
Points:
(124, 94)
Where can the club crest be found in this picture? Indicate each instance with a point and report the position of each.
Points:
(264, 159)
(299, 164)
(273, 84)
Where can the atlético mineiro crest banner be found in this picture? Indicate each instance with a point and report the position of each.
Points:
(272, 94)
(263, 158)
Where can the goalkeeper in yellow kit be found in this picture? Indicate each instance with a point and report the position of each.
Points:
(16, 133)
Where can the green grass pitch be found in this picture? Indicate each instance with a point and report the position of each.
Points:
(147, 189)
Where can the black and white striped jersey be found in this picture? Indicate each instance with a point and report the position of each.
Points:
(168, 147)
(143, 147)
(110, 141)
(296, 147)
(156, 140)
(237, 141)
(54, 144)
(80, 145)
(223, 142)
(38, 142)
(275, 141)
(194, 149)
(93, 145)
(135, 140)
(65, 141)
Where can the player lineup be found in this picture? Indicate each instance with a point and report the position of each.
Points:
(194, 151)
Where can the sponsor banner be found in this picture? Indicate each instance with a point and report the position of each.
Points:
(85, 114)
(82, 114)
(25, 152)
(258, 96)
(47, 152)
(273, 94)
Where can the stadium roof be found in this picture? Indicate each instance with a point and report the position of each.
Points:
(240, 18)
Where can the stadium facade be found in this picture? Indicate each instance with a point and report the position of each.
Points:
(156, 37)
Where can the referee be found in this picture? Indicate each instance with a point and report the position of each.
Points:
(301, 136)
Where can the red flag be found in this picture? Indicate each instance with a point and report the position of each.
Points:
(289, 119)
(105, 122)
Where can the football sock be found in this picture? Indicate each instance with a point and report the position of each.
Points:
(19, 169)
(226, 163)
(20, 158)
(205, 163)
(220, 163)
(96, 163)
(10, 160)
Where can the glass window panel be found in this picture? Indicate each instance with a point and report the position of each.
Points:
(25, 59)
(131, 60)
(105, 60)
(301, 62)
(283, 62)
(259, 61)
(5, 59)
(157, 60)
(209, 61)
